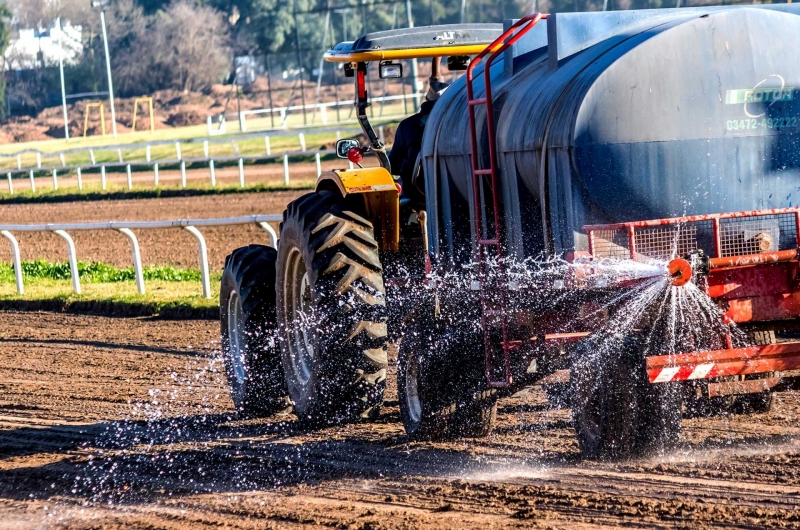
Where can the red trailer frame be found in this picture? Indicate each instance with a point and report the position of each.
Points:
(752, 279)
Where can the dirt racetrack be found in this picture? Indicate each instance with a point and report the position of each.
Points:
(125, 423)
(172, 246)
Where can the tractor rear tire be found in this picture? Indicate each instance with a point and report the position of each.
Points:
(331, 311)
(441, 385)
(761, 402)
(247, 322)
(618, 414)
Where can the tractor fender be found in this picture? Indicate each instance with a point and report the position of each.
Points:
(380, 195)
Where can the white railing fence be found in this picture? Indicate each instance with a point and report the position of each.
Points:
(126, 228)
(157, 166)
(178, 147)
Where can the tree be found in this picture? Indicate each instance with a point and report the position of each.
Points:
(190, 46)
(184, 46)
(33, 13)
(5, 14)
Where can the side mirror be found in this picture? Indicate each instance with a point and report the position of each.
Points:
(390, 71)
(344, 145)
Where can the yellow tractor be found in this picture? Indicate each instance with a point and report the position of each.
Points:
(307, 325)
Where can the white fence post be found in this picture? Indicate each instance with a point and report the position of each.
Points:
(178, 150)
(266, 143)
(241, 173)
(19, 161)
(318, 163)
(55, 179)
(147, 153)
(380, 133)
(338, 135)
(80, 178)
(38, 160)
(119, 155)
(17, 261)
(10, 185)
(183, 174)
(91, 156)
(130, 177)
(201, 245)
(302, 138)
(103, 177)
(33, 183)
(137, 258)
(273, 237)
(63, 160)
(213, 173)
(155, 174)
(73, 261)
(205, 148)
(286, 169)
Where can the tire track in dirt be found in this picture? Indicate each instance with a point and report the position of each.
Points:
(119, 423)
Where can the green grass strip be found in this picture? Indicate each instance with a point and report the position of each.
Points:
(94, 272)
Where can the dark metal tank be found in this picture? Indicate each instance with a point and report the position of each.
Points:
(610, 117)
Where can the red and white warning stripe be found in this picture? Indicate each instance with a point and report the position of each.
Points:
(682, 373)
(722, 363)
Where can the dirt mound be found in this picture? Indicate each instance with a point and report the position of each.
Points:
(176, 108)
(185, 117)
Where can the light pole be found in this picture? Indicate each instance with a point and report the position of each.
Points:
(61, 72)
(101, 6)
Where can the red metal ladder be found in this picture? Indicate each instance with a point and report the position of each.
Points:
(484, 182)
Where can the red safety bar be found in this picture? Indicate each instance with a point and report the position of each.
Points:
(481, 187)
(631, 229)
(721, 363)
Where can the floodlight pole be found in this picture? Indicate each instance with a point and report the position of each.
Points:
(414, 71)
(61, 72)
(108, 71)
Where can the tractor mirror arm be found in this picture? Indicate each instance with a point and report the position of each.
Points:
(361, 103)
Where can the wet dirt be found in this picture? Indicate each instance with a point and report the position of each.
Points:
(172, 246)
(126, 423)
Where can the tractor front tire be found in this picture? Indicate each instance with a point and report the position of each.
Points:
(247, 318)
(618, 414)
(331, 311)
(441, 386)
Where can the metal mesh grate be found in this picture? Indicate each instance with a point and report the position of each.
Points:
(611, 244)
(752, 235)
(668, 241)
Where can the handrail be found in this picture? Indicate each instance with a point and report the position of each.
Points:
(479, 190)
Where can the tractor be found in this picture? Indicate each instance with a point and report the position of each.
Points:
(659, 140)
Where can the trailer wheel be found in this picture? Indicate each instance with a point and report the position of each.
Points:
(440, 386)
(761, 402)
(247, 318)
(331, 311)
(617, 413)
